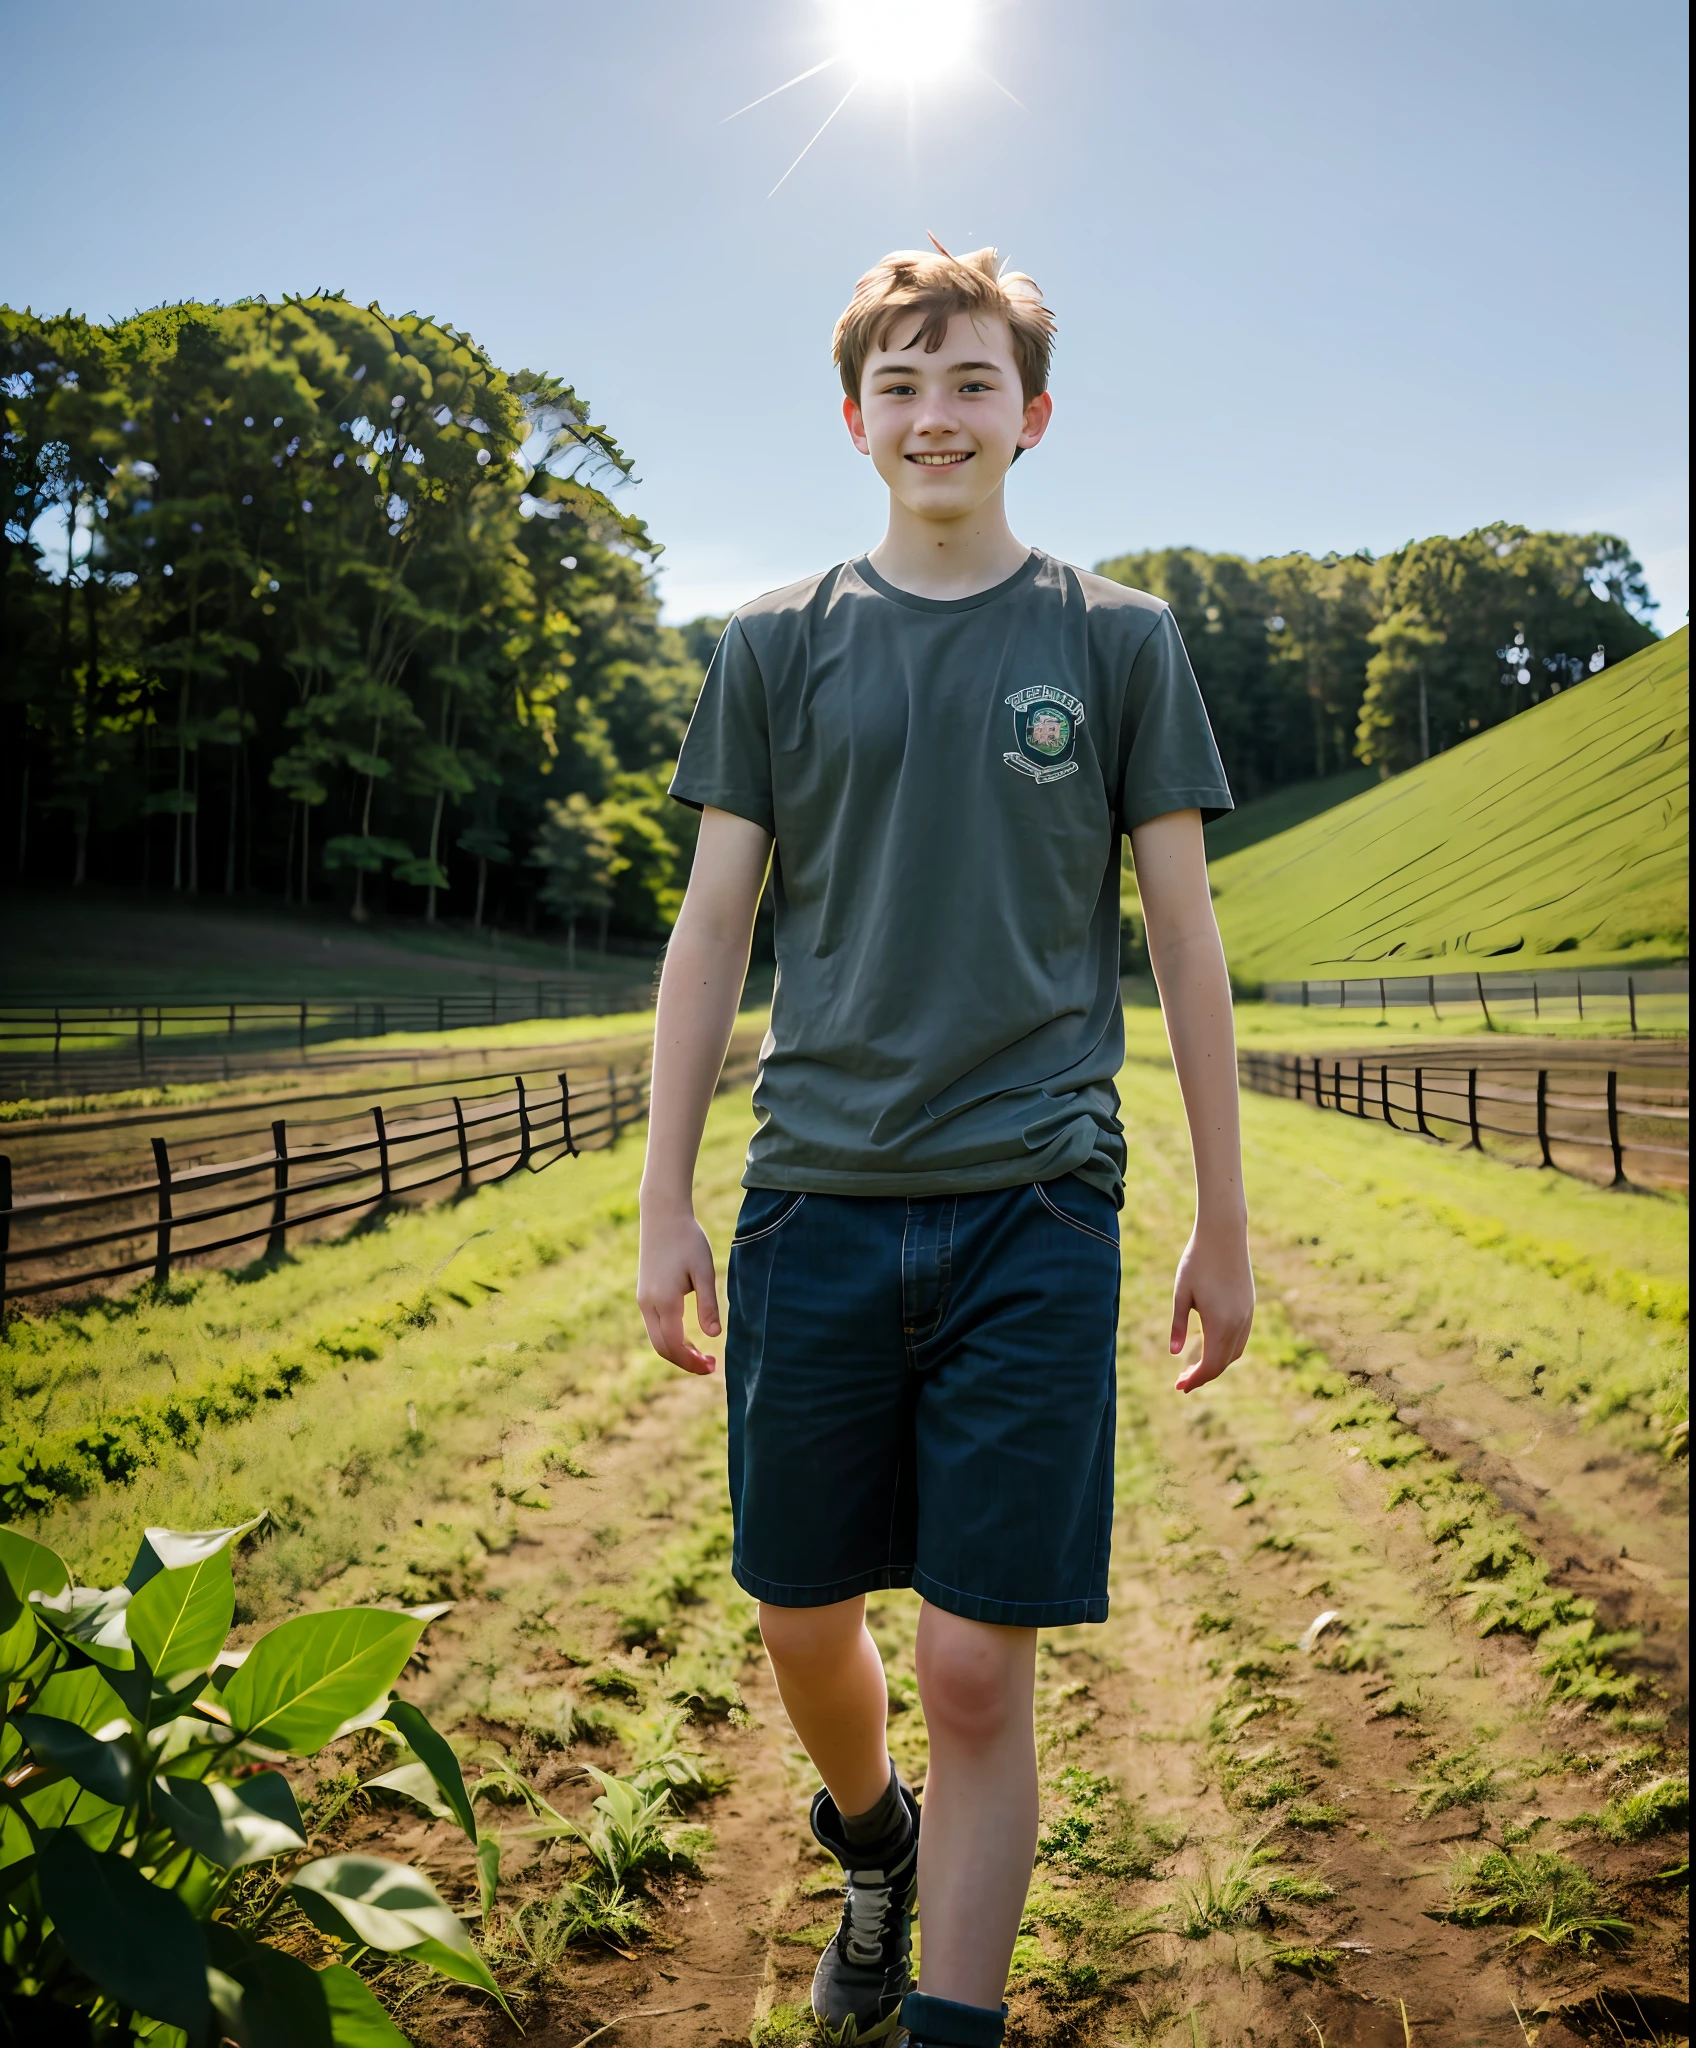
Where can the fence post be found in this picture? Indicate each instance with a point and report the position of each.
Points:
(1297, 1065)
(1536, 1007)
(1618, 1181)
(1304, 995)
(382, 1146)
(1360, 1088)
(1419, 1102)
(464, 1149)
(1489, 1021)
(1337, 1086)
(565, 1115)
(612, 1103)
(1475, 1143)
(280, 1190)
(1543, 1115)
(232, 1020)
(1631, 998)
(1384, 1095)
(523, 1122)
(303, 1027)
(162, 1241)
(140, 1040)
(1380, 995)
(1578, 981)
(58, 1031)
(5, 1233)
(1431, 992)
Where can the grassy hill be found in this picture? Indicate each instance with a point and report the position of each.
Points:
(1565, 831)
(101, 946)
(1285, 808)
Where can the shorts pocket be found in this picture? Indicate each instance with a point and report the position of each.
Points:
(764, 1210)
(1085, 1209)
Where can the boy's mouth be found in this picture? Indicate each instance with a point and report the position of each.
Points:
(950, 460)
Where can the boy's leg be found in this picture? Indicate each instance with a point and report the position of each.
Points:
(830, 1679)
(977, 1684)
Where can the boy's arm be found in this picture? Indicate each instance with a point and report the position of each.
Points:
(1214, 1277)
(700, 988)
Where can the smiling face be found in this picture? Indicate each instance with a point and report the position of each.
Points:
(942, 426)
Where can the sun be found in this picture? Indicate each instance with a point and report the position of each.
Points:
(904, 42)
(905, 45)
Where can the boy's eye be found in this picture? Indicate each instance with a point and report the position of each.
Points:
(974, 387)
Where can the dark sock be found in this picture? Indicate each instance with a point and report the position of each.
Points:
(883, 1826)
(941, 2023)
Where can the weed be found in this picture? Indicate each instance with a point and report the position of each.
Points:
(1460, 1779)
(1097, 1833)
(1309, 1813)
(1544, 1898)
(1660, 1808)
(784, 2026)
(1245, 1892)
(576, 1913)
(1304, 1961)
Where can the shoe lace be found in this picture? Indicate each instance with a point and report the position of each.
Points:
(868, 1909)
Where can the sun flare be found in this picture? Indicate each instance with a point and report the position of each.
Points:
(907, 45)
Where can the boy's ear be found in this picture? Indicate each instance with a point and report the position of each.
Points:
(856, 425)
(1037, 416)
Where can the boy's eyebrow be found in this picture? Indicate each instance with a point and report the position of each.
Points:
(907, 369)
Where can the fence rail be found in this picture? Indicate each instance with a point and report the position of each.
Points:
(1634, 1126)
(1635, 998)
(42, 1043)
(304, 1173)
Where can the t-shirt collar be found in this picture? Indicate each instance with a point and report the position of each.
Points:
(861, 566)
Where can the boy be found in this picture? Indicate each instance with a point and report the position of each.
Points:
(943, 741)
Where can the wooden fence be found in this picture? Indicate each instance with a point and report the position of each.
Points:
(293, 1176)
(45, 1044)
(1612, 1123)
(1645, 1000)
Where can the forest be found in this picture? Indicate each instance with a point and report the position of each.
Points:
(307, 600)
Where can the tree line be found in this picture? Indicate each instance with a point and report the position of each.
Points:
(1311, 664)
(310, 600)
(313, 600)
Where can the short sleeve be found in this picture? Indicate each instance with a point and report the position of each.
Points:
(726, 755)
(1168, 758)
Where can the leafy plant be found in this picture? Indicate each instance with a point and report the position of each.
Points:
(137, 1781)
(1457, 1780)
(1656, 1809)
(1247, 1890)
(1544, 1898)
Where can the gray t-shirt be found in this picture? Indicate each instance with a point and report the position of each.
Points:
(947, 781)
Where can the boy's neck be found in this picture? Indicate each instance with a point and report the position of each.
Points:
(949, 558)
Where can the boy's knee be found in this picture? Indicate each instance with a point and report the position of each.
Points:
(975, 1683)
(799, 1637)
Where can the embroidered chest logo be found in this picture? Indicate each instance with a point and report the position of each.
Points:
(1045, 724)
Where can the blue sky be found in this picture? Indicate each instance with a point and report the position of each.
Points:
(1327, 275)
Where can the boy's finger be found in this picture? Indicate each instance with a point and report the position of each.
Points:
(706, 1297)
(1180, 1322)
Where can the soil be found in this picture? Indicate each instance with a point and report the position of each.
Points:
(1131, 1699)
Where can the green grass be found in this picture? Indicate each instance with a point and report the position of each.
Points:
(1560, 837)
(1546, 1899)
(1283, 810)
(99, 946)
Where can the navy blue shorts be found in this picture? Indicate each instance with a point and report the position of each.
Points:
(922, 1394)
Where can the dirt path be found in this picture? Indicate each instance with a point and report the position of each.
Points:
(1189, 1736)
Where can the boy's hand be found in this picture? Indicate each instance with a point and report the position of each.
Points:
(676, 1260)
(1216, 1280)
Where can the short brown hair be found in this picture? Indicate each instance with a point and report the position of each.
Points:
(934, 286)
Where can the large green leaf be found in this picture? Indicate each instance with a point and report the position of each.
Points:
(139, 1944)
(414, 1781)
(164, 1550)
(431, 1749)
(92, 1617)
(315, 1676)
(25, 1567)
(179, 1619)
(232, 1824)
(384, 1905)
(356, 2019)
(103, 1766)
(84, 1696)
(278, 2003)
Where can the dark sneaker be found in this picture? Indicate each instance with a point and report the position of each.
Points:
(866, 1970)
